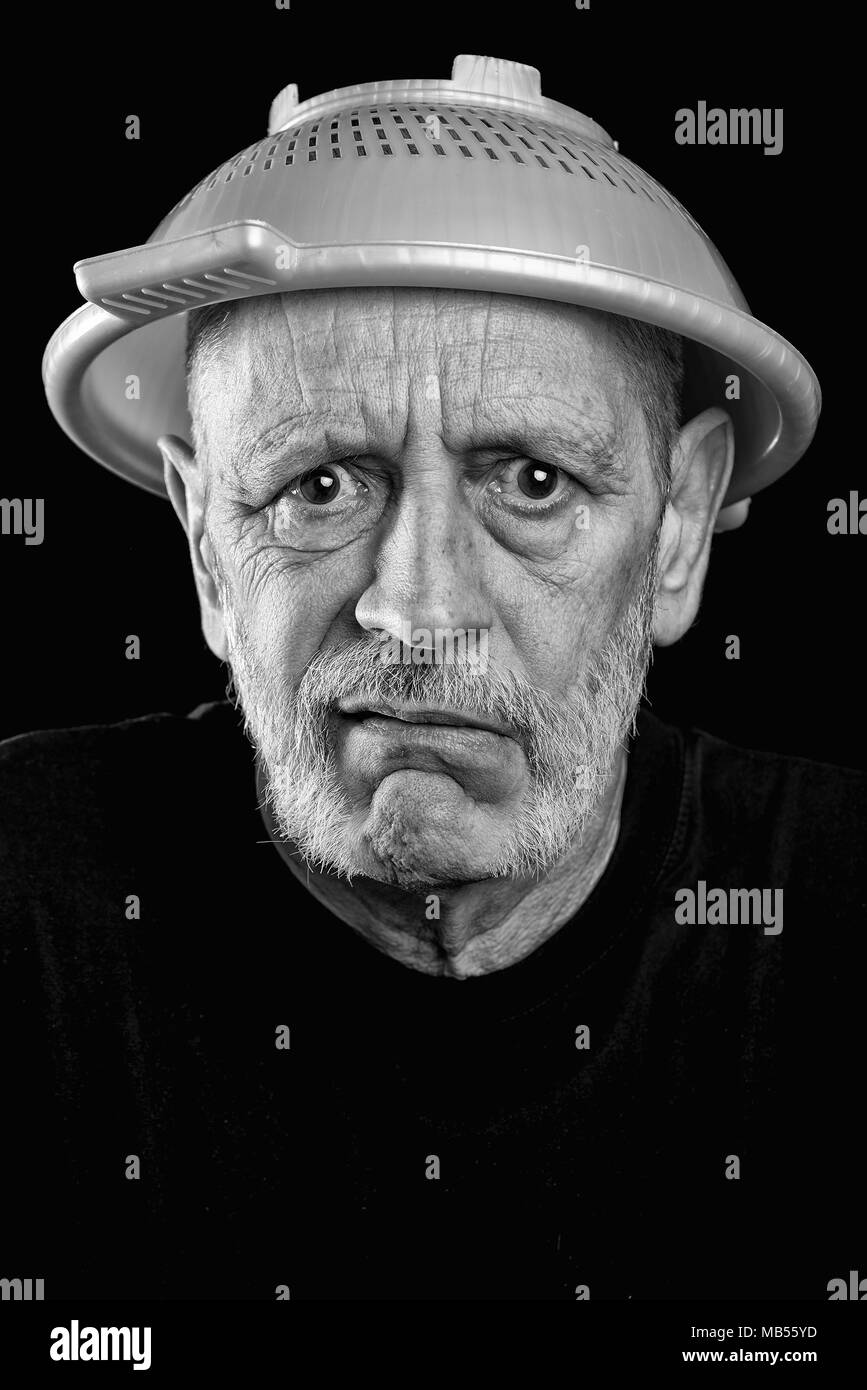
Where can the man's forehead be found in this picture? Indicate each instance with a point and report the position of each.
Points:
(367, 356)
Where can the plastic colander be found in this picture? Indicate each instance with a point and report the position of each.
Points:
(476, 183)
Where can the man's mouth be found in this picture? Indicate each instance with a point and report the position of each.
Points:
(425, 714)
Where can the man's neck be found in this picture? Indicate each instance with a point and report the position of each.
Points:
(472, 928)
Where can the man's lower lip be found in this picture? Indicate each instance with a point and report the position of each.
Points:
(385, 726)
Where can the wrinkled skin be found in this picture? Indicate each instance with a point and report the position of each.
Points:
(442, 401)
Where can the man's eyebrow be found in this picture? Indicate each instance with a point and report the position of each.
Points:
(318, 435)
(598, 452)
(261, 458)
(290, 431)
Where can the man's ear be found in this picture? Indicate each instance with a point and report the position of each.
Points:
(183, 480)
(701, 469)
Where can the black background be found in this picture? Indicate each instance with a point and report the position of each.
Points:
(201, 79)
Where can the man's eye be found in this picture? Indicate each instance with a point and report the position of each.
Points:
(324, 507)
(537, 480)
(318, 485)
(523, 482)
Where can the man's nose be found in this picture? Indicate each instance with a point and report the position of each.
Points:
(429, 563)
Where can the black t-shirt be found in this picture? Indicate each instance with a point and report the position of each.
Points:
(422, 1137)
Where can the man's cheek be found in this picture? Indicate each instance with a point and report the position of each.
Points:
(608, 592)
(284, 630)
(308, 606)
(561, 625)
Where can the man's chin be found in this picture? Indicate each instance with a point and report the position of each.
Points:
(423, 831)
(418, 831)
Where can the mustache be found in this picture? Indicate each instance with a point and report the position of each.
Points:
(357, 672)
(569, 740)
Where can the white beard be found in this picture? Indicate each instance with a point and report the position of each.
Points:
(571, 745)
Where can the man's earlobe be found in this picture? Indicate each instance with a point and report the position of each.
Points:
(214, 630)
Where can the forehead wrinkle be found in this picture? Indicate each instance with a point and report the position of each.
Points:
(533, 338)
(289, 354)
(528, 413)
(237, 386)
(369, 363)
(292, 349)
(530, 330)
(273, 368)
(338, 349)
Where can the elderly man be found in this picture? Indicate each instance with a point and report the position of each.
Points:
(465, 980)
(419, 461)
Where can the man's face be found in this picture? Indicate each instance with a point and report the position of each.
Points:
(401, 463)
